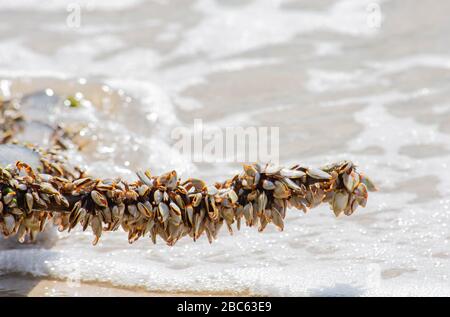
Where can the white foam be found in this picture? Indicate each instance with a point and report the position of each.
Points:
(230, 30)
(61, 5)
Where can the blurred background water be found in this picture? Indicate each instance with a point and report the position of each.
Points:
(349, 79)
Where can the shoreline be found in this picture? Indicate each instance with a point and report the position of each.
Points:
(17, 285)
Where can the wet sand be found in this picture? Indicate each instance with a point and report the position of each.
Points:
(19, 285)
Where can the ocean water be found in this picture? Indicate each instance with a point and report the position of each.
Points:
(341, 79)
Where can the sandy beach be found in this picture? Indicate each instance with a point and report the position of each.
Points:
(17, 285)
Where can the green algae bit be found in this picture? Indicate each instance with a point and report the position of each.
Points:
(72, 102)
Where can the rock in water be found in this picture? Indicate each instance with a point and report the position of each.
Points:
(37, 133)
(11, 153)
(39, 105)
(39, 108)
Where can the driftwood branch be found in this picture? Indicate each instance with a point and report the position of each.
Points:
(169, 207)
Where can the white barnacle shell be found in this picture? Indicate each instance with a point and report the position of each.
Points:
(268, 185)
(163, 211)
(340, 201)
(291, 173)
(350, 181)
(99, 199)
(317, 173)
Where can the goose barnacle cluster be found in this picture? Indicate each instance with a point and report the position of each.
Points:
(39, 185)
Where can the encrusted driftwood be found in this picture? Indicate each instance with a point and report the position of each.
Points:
(164, 205)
